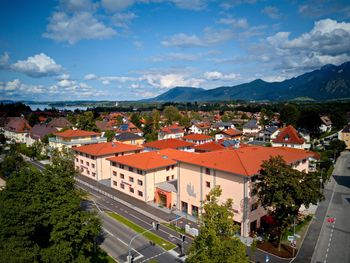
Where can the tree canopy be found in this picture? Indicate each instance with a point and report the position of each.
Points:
(284, 190)
(41, 219)
(217, 240)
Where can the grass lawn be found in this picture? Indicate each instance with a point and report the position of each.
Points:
(101, 257)
(173, 227)
(149, 235)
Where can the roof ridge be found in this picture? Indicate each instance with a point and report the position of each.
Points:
(239, 158)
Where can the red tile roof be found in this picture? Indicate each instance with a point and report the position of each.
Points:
(75, 133)
(232, 132)
(172, 129)
(151, 160)
(18, 125)
(289, 135)
(168, 143)
(107, 148)
(60, 122)
(245, 161)
(196, 137)
(209, 147)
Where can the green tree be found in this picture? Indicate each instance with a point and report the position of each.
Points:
(217, 241)
(171, 113)
(185, 121)
(156, 119)
(338, 120)
(284, 190)
(109, 135)
(337, 146)
(135, 118)
(86, 121)
(41, 219)
(289, 114)
(71, 117)
(12, 162)
(310, 120)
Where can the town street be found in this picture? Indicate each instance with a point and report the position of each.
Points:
(333, 244)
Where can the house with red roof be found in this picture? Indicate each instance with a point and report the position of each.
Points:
(229, 134)
(171, 132)
(74, 138)
(148, 176)
(38, 132)
(169, 143)
(91, 160)
(289, 137)
(200, 128)
(60, 123)
(16, 129)
(197, 139)
(128, 127)
(234, 171)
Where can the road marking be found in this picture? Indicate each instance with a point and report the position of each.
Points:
(148, 259)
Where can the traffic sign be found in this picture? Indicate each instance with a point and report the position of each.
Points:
(291, 238)
(267, 258)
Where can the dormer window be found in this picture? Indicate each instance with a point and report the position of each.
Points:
(286, 138)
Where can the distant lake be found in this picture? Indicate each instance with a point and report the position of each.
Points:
(33, 107)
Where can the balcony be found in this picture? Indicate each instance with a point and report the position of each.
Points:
(75, 142)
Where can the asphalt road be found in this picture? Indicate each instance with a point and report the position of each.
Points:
(333, 244)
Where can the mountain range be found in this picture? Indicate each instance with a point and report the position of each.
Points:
(327, 83)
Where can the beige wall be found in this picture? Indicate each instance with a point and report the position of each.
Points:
(17, 137)
(345, 136)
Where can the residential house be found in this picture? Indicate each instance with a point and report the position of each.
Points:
(289, 137)
(128, 127)
(91, 160)
(197, 138)
(230, 134)
(218, 145)
(200, 128)
(148, 176)
(60, 123)
(169, 143)
(234, 171)
(326, 124)
(104, 126)
(38, 132)
(220, 126)
(74, 138)
(251, 128)
(17, 129)
(344, 135)
(268, 134)
(130, 138)
(173, 131)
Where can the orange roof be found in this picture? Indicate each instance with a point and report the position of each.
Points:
(172, 129)
(245, 161)
(232, 132)
(75, 133)
(197, 137)
(289, 135)
(151, 160)
(107, 148)
(209, 147)
(168, 143)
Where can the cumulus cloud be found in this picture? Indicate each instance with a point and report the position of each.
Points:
(190, 5)
(166, 81)
(326, 43)
(78, 5)
(90, 77)
(272, 12)
(123, 19)
(75, 27)
(216, 75)
(106, 80)
(113, 5)
(183, 40)
(177, 57)
(39, 65)
(239, 23)
(4, 60)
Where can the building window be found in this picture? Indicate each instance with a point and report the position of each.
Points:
(121, 176)
(121, 166)
(87, 163)
(122, 186)
(207, 184)
(131, 190)
(184, 207)
(167, 168)
(115, 183)
(139, 193)
(194, 210)
(207, 171)
(81, 161)
(114, 164)
(139, 182)
(131, 169)
(93, 174)
(167, 178)
(93, 165)
(93, 157)
(87, 171)
(76, 159)
(139, 171)
(114, 173)
(172, 177)
(131, 179)
(172, 167)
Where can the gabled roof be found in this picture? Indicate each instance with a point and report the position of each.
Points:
(75, 133)
(18, 125)
(270, 129)
(127, 136)
(202, 125)
(326, 120)
(209, 147)
(289, 135)
(346, 128)
(251, 124)
(196, 137)
(104, 125)
(168, 143)
(245, 161)
(60, 122)
(222, 124)
(151, 160)
(107, 148)
(231, 132)
(40, 130)
(172, 129)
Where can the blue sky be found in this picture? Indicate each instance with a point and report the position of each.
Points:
(135, 49)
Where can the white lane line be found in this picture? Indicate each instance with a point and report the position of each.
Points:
(148, 259)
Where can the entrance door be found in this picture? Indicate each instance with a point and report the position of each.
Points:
(162, 200)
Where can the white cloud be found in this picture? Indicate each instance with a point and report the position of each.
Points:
(183, 40)
(272, 12)
(116, 5)
(106, 80)
(39, 65)
(90, 77)
(239, 23)
(166, 81)
(138, 44)
(4, 60)
(123, 19)
(73, 28)
(216, 75)
(195, 5)
(78, 5)
(176, 57)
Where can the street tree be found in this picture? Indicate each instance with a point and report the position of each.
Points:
(217, 240)
(109, 135)
(171, 113)
(86, 121)
(283, 190)
(289, 114)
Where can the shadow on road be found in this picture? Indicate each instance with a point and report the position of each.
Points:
(342, 180)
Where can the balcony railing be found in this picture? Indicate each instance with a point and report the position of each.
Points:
(72, 142)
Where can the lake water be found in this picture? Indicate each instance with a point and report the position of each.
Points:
(43, 106)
